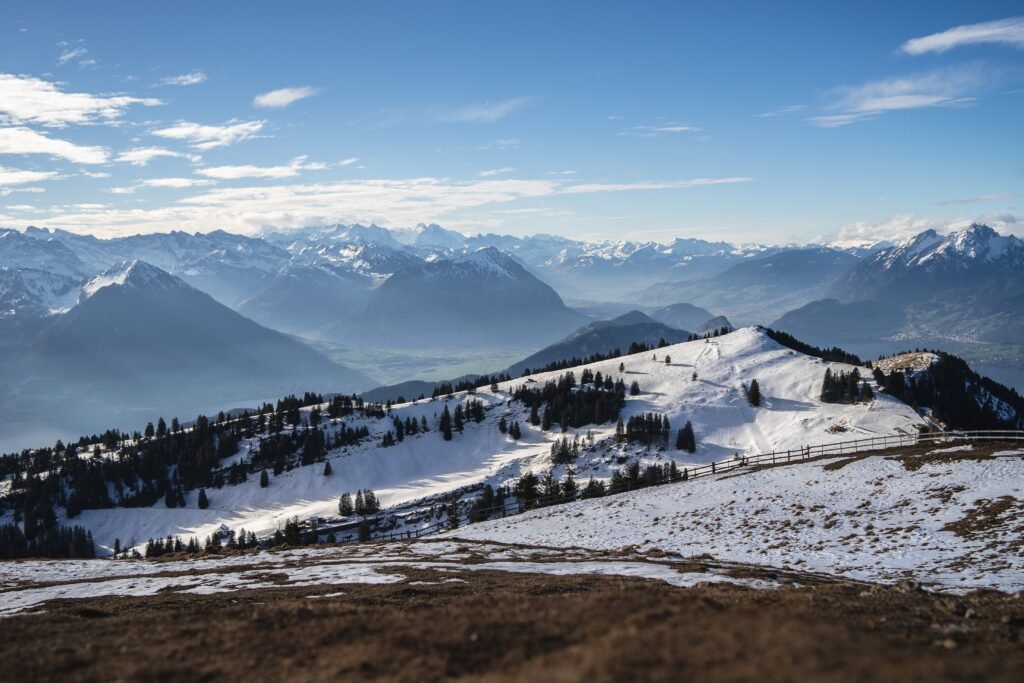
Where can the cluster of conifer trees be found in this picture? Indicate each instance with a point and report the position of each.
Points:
(956, 395)
(48, 540)
(364, 503)
(650, 429)
(845, 387)
(562, 402)
(164, 461)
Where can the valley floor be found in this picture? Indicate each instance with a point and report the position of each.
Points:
(480, 622)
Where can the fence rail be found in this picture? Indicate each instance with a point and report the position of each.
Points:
(511, 507)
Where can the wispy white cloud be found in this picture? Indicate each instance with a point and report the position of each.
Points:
(14, 176)
(904, 226)
(782, 111)
(349, 161)
(276, 99)
(657, 130)
(484, 112)
(71, 52)
(175, 182)
(290, 170)
(1002, 32)
(140, 156)
(208, 137)
(24, 99)
(981, 198)
(20, 140)
(95, 174)
(384, 201)
(496, 171)
(194, 78)
(939, 88)
(502, 143)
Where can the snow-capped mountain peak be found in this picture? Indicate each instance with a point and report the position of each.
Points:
(975, 244)
(132, 274)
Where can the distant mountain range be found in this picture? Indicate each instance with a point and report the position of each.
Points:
(485, 298)
(138, 340)
(369, 287)
(962, 292)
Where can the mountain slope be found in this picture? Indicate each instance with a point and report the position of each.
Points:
(484, 298)
(424, 464)
(762, 288)
(681, 316)
(962, 292)
(602, 337)
(144, 341)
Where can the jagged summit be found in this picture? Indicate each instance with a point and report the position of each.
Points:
(977, 243)
(133, 274)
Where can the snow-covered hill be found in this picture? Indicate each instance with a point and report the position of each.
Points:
(423, 465)
(950, 523)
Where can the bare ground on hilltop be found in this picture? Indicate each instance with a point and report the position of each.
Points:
(494, 626)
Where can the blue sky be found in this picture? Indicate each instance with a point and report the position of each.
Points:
(770, 122)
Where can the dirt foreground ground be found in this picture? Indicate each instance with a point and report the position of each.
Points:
(497, 626)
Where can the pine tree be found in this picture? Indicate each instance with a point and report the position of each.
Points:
(634, 388)
(754, 393)
(328, 469)
(360, 506)
(459, 419)
(446, 424)
(345, 505)
(685, 439)
(204, 502)
(264, 479)
(622, 368)
(502, 425)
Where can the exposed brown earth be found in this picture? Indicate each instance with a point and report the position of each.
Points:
(494, 626)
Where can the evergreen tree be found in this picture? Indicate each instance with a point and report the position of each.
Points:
(502, 425)
(345, 505)
(204, 502)
(685, 439)
(328, 469)
(569, 486)
(754, 393)
(264, 479)
(446, 424)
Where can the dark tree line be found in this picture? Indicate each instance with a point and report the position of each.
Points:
(717, 332)
(165, 461)
(956, 395)
(51, 541)
(833, 355)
